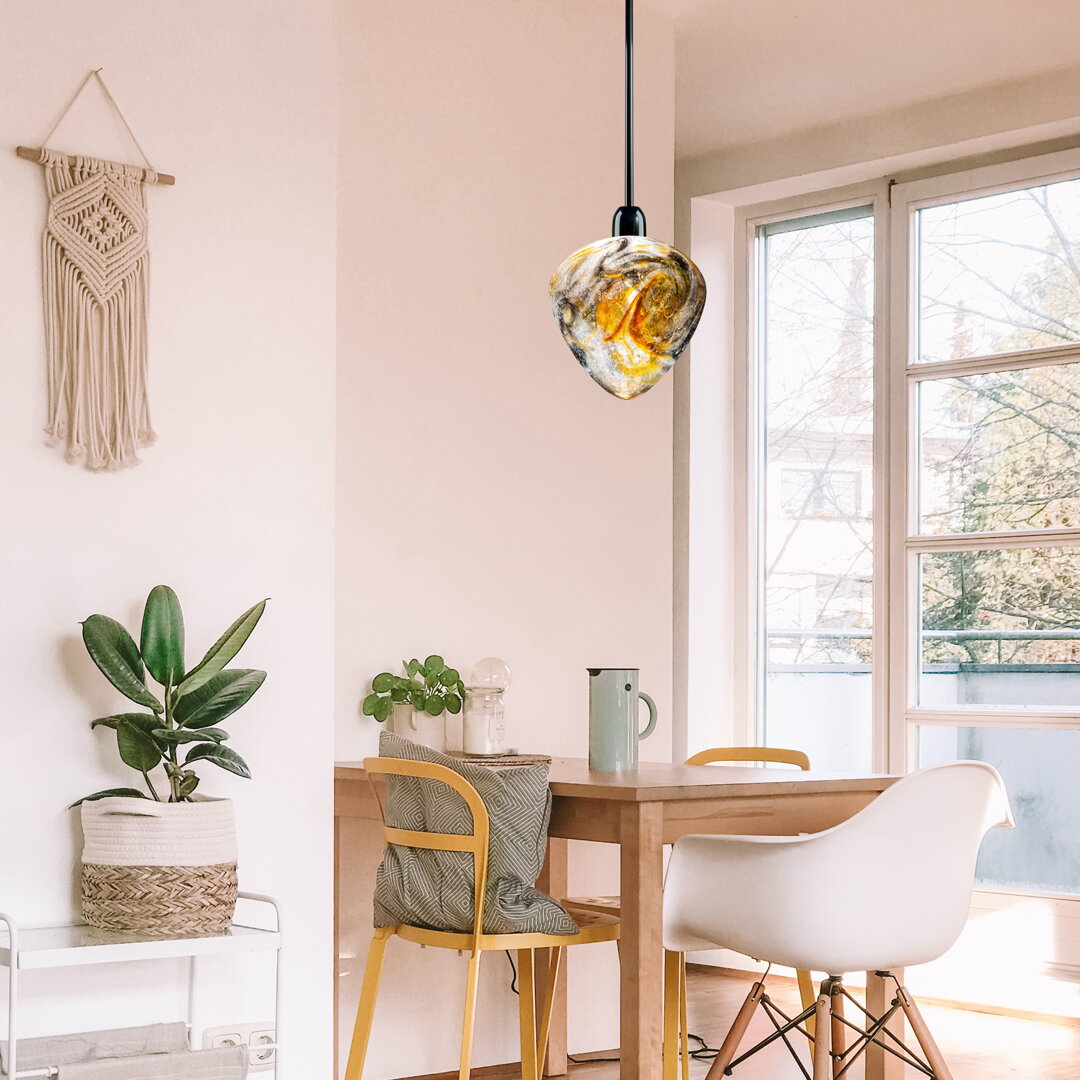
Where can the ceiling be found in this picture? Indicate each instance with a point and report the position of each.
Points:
(749, 70)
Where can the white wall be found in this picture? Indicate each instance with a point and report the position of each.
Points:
(234, 503)
(494, 500)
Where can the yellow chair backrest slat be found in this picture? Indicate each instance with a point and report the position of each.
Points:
(767, 754)
(434, 841)
(474, 843)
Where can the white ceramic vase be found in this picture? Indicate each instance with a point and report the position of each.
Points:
(419, 726)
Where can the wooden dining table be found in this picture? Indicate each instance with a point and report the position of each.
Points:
(641, 811)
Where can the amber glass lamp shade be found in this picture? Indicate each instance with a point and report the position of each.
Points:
(627, 306)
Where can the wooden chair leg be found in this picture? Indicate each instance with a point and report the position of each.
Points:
(684, 1023)
(671, 1015)
(555, 958)
(365, 1011)
(822, 1062)
(837, 1033)
(918, 1026)
(472, 981)
(527, 1014)
(735, 1035)
(808, 994)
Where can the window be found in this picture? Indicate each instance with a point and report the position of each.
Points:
(991, 306)
(915, 497)
(817, 423)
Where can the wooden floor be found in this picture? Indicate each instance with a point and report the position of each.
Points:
(977, 1046)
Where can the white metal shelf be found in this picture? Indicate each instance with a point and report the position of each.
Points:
(25, 949)
(75, 946)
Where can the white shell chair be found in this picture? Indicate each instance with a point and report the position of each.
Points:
(815, 902)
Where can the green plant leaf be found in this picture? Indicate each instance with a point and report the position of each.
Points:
(182, 735)
(453, 703)
(449, 676)
(399, 693)
(137, 747)
(188, 784)
(433, 665)
(147, 721)
(434, 705)
(369, 704)
(162, 641)
(110, 793)
(224, 649)
(383, 709)
(111, 647)
(228, 759)
(219, 697)
(417, 697)
(413, 668)
(382, 682)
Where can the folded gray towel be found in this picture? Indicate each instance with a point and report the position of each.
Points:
(226, 1063)
(55, 1050)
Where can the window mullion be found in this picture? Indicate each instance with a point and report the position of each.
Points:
(994, 363)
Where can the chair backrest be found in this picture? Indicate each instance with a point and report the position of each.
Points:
(474, 843)
(769, 755)
(891, 886)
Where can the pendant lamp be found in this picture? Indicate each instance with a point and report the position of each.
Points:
(627, 305)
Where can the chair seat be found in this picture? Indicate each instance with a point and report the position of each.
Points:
(593, 926)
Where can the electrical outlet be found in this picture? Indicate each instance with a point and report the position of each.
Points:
(263, 1045)
(223, 1038)
(261, 1040)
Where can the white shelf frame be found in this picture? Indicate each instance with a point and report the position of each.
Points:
(44, 947)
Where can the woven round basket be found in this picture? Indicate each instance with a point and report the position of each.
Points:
(159, 869)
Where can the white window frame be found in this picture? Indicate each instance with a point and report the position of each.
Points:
(750, 455)
(906, 374)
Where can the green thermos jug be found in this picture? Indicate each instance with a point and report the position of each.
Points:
(613, 718)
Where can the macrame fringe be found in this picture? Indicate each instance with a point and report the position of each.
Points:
(95, 264)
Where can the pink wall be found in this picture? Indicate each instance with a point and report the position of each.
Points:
(493, 499)
(236, 500)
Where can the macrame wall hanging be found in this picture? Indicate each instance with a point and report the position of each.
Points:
(96, 276)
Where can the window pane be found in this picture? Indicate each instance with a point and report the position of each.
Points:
(1000, 273)
(1000, 451)
(1001, 628)
(1039, 769)
(817, 360)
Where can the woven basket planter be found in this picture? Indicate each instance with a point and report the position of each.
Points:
(159, 869)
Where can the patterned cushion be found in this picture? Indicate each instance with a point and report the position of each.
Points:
(434, 889)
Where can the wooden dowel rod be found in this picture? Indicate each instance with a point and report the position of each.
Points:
(30, 153)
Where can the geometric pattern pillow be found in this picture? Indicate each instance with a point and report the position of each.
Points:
(434, 889)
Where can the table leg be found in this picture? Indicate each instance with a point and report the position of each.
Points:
(337, 939)
(641, 1004)
(881, 1065)
(553, 881)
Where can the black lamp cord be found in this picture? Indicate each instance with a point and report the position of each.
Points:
(629, 220)
(629, 114)
(704, 1052)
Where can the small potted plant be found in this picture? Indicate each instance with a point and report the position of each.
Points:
(417, 699)
(163, 862)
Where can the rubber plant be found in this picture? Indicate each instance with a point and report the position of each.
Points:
(180, 729)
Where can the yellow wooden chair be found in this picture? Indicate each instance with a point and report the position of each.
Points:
(675, 1023)
(593, 927)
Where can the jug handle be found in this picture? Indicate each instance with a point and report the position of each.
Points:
(652, 715)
